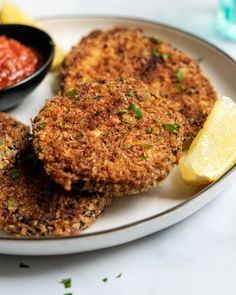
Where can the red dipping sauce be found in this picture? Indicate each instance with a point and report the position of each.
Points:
(17, 61)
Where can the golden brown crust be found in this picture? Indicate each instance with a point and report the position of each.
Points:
(13, 139)
(31, 205)
(126, 53)
(111, 136)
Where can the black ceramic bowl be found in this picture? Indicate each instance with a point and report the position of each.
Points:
(43, 44)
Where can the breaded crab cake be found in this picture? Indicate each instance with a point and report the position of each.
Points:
(113, 137)
(129, 53)
(13, 139)
(32, 205)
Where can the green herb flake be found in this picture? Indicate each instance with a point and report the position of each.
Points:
(165, 56)
(180, 74)
(180, 87)
(191, 120)
(192, 90)
(42, 125)
(168, 114)
(81, 135)
(15, 173)
(122, 111)
(71, 93)
(156, 39)
(119, 275)
(144, 158)
(66, 282)
(200, 59)
(68, 294)
(131, 93)
(138, 113)
(97, 97)
(105, 280)
(172, 128)
(97, 113)
(148, 145)
(11, 203)
(149, 130)
(155, 53)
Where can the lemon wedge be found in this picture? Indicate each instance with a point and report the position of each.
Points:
(213, 151)
(12, 14)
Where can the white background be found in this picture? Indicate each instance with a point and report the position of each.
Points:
(196, 256)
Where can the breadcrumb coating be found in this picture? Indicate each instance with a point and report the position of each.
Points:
(128, 53)
(13, 139)
(113, 137)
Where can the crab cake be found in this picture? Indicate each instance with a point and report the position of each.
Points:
(108, 136)
(31, 205)
(127, 53)
(13, 138)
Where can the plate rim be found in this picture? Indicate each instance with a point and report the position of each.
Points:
(174, 208)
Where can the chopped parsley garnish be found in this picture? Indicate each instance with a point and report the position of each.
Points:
(168, 114)
(155, 53)
(105, 280)
(200, 59)
(165, 56)
(97, 113)
(131, 93)
(180, 74)
(119, 275)
(192, 90)
(122, 111)
(42, 125)
(191, 120)
(137, 111)
(73, 93)
(11, 203)
(180, 87)
(156, 39)
(149, 130)
(172, 128)
(97, 97)
(148, 145)
(143, 158)
(81, 135)
(15, 173)
(23, 265)
(66, 283)
(68, 294)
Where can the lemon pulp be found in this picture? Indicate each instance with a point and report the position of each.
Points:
(213, 151)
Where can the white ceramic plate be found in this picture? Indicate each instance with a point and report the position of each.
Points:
(134, 217)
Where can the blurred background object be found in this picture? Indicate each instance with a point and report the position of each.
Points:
(226, 19)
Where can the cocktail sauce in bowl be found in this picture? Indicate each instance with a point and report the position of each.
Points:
(26, 54)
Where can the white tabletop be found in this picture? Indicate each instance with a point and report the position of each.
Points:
(196, 256)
